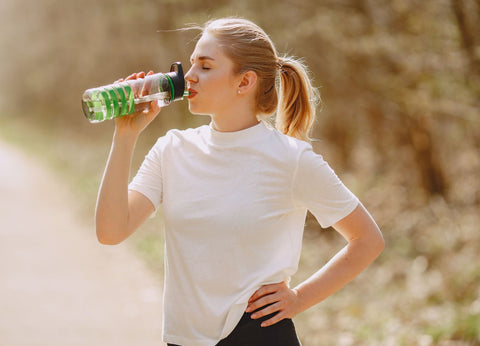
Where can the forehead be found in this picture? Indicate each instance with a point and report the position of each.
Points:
(207, 47)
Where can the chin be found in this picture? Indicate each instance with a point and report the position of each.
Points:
(197, 110)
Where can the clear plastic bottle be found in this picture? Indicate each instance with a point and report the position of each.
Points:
(118, 99)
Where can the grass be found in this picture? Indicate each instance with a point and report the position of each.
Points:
(423, 290)
(465, 327)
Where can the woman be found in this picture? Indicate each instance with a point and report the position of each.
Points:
(235, 195)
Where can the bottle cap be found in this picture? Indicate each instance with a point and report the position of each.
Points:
(178, 80)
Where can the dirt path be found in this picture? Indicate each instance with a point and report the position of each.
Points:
(58, 285)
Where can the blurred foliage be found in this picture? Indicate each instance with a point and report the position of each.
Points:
(400, 81)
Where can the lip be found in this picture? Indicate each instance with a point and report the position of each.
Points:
(192, 93)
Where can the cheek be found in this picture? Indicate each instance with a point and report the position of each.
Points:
(216, 91)
(224, 89)
(219, 81)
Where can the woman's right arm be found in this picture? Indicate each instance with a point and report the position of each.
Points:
(119, 212)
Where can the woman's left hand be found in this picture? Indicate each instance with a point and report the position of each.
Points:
(282, 299)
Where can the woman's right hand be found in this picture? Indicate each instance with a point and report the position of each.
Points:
(143, 114)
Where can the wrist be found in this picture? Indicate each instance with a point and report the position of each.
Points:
(302, 302)
(125, 135)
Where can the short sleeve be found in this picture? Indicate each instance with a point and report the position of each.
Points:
(317, 188)
(148, 180)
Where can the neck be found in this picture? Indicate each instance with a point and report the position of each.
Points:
(234, 120)
(233, 126)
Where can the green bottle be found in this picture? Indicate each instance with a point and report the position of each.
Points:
(118, 99)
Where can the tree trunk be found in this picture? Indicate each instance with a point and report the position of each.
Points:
(431, 173)
(469, 32)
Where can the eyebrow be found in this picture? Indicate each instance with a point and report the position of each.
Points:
(203, 57)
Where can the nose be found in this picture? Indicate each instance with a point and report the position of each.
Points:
(190, 76)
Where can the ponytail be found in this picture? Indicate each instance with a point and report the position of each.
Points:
(297, 99)
(283, 83)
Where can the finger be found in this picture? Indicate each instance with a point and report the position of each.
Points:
(136, 76)
(261, 302)
(142, 108)
(152, 112)
(155, 106)
(147, 86)
(271, 321)
(264, 290)
(148, 108)
(266, 311)
(132, 76)
(136, 87)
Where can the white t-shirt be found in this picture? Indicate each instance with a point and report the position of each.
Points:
(234, 210)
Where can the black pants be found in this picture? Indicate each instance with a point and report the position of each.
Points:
(249, 333)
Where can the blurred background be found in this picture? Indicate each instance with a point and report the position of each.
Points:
(400, 84)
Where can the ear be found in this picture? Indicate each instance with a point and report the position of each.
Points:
(248, 81)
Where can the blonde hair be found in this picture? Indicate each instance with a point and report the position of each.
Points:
(283, 86)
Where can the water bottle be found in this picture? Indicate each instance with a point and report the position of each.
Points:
(118, 99)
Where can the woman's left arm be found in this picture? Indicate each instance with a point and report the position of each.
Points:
(365, 243)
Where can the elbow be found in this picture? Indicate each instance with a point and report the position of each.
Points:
(107, 237)
(372, 245)
(109, 232)
(381, 246)
(106, 240)
(377, 245)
